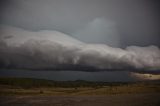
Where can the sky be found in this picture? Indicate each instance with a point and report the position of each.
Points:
(81, 35)
(114, 22)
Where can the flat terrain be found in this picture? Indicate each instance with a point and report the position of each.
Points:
(33, 92)
(107, 100)
(27, 86)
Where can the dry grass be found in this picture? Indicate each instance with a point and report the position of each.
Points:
(105, 90)
(24, 86)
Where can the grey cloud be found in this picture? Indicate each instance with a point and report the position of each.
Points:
(99, 30)
(44, 49)
(136, 22)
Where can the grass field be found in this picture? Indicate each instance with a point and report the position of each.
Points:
(27, 86)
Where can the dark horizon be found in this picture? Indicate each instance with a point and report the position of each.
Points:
(104, 76)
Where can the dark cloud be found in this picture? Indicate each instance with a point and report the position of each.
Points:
(95, 33)
(124, 22)
(106, 76)
(44, 49)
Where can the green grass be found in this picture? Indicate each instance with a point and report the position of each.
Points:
(28, 86)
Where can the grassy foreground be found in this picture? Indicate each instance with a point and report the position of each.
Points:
(28, 86)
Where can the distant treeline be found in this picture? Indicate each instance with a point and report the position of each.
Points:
(30, 82)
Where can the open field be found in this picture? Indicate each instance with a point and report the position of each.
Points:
(106, 100)
(105, 90)
(26, 86)
(23, 91)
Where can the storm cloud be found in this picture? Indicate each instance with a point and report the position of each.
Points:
(46, 49)
(117, 23)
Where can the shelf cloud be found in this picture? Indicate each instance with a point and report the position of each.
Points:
(47, 49)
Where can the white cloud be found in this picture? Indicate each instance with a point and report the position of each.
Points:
(53, 50)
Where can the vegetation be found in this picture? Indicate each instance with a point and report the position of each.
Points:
(28, 86)
(31, 83)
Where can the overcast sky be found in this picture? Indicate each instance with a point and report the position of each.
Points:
(83, 35)
(118, 23)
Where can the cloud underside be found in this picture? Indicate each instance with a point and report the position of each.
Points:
(52, 50)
